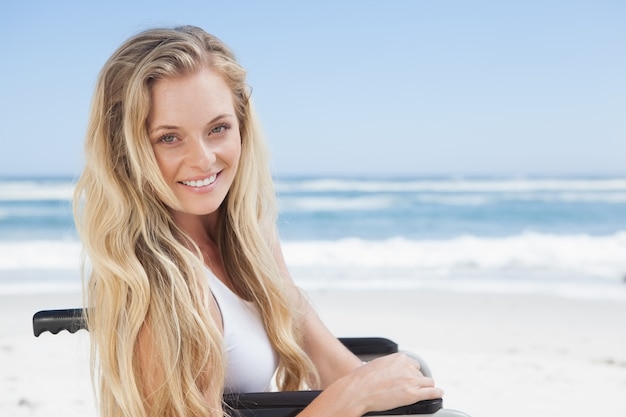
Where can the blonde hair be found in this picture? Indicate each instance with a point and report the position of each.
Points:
(141, 268)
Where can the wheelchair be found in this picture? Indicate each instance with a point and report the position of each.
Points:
(272, 404)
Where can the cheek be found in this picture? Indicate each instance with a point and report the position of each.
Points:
(165, 164)
(234, 153)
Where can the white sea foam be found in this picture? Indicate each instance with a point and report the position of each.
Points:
(362, 194)
(575, 265)
(597, 257)
(290, 204)
(39, 255)
(32, 190)
(609, 190)
(453, 185)
(338, 203)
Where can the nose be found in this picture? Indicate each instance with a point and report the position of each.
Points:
(200, 154)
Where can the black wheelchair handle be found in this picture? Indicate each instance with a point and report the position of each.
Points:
(54, 321)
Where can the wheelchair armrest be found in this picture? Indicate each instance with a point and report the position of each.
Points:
(374, 346)
(288, 404)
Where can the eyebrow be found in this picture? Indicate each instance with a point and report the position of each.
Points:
(172, 127)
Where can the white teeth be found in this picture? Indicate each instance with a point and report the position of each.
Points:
(200, 183)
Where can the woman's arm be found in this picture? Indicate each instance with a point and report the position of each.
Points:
(331, 358)
(351, 388)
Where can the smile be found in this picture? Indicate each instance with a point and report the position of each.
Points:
(200, 183)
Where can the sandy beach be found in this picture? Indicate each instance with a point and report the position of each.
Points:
(494, 355)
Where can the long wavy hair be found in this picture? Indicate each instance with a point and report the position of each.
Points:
(140, 268)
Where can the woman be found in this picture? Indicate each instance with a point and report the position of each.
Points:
(188, 290)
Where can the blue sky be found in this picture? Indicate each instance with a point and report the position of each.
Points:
(357, 87)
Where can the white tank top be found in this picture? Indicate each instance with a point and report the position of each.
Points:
(250, 359)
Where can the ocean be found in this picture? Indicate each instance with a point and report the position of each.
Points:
(562, 236)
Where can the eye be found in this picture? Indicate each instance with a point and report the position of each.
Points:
(169, 138)
(219, 129)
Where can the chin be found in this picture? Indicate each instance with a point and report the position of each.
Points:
(201, 211)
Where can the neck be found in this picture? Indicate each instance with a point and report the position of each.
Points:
(200, 228)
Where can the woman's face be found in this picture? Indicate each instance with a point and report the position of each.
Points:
(194, 133)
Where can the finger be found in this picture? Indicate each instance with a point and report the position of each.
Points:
(425, 382)
(428, 393)
(433, 392)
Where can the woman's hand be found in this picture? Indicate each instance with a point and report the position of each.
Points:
(382, 384)
(388, 382)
